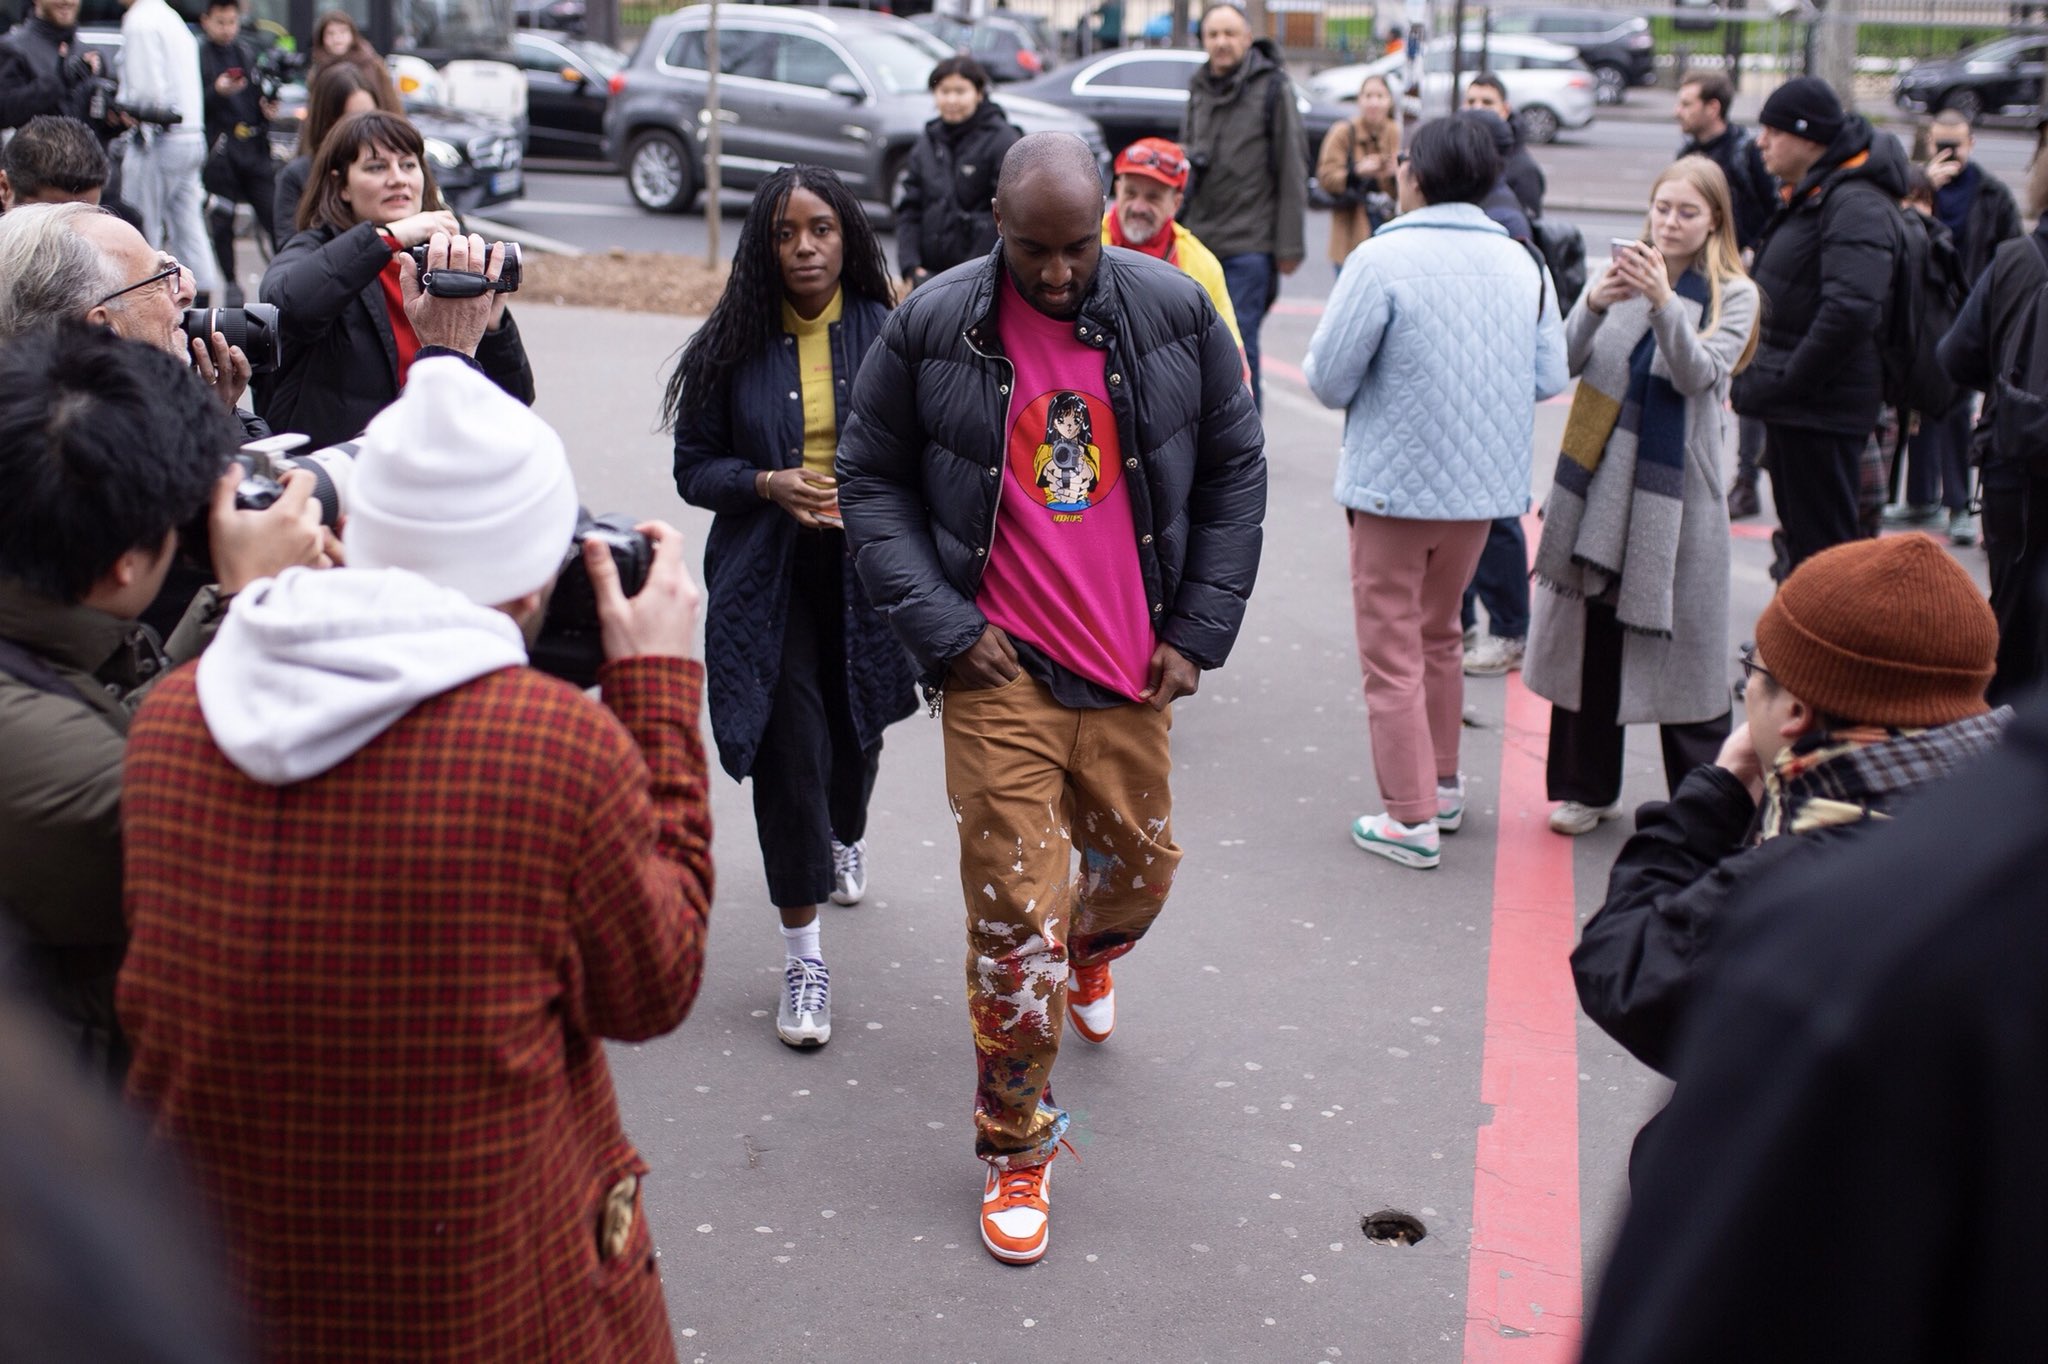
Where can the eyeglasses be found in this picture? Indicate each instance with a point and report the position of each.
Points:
(1151, 156)
(167, 276)
(1751, 669)
(1400, 158)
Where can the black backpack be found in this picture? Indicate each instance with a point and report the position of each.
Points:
(1564, 251)
(2019, 401)
(1927, 291)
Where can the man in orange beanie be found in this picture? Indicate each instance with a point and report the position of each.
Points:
(1866, 683)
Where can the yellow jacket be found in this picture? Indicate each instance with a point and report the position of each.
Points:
(1199, 263)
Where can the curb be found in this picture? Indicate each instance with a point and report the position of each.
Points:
(532, 241)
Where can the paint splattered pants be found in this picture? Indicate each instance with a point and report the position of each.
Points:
(1031, 783)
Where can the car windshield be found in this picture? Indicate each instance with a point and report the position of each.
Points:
(2004, 50)
(604, 60)
(466, 26)
(894, 62)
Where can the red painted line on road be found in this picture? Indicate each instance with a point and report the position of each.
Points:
(1287, 307)
(1523, 1300)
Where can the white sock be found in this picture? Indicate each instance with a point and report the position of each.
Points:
(802, 942)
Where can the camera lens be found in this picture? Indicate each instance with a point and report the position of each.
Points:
(253, 328)
(331, 468)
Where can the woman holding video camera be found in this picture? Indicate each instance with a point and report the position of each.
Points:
(346, 338)
(804, 675)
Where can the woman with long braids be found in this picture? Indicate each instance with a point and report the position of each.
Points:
(803, 674)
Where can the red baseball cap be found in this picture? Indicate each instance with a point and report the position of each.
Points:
(1156, 158)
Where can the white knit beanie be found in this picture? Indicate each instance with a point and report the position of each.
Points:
(460, 483)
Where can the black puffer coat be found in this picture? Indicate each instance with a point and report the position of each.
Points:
(339, 363)
(747, 557)
(920, 463)
(1824, 265)
(947, 213)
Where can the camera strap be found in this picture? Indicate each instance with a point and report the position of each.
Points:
(33, 671)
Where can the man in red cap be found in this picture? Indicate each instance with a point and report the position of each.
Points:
(1151, 178)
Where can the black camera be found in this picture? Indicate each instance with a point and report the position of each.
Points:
(276, 68)
(571, 643)
(253, 328)
(103, 104)
(466, 283)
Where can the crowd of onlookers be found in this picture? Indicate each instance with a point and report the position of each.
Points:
(297, 850)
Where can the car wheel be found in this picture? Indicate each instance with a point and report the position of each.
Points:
(1610, 84)
(658, 173)
(1968, 103)
(895, 173)
(1539, 125)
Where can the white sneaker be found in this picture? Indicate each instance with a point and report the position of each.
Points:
(849, 872)
(1574, 818)
(1450, 806)
(1410, 845)
(804, 1017)
(1494, 657)
(1962, 528)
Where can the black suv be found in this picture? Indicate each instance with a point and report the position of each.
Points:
(1617, 46)
(1999, 78)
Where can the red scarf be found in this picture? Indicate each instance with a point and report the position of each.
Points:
(1162, 246)
(403, 337)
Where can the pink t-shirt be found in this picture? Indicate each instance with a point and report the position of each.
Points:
(1063, 574)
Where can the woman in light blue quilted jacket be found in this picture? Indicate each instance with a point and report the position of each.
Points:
(1439, 340)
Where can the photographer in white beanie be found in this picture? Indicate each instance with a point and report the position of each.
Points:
(379, 846)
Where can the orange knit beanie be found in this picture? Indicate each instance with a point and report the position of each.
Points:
(1882, 632)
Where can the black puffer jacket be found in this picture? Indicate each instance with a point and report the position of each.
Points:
(339, 363)
(1975, 346)
(947, 214)
(1824, 265)
(920, 462)
(747, 556)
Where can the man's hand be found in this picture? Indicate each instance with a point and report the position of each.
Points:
(661, 622)
(1171, 675)
(248, 545)
(270, 108)
(222, 367)
(1943, 168)
(804, 493)
(1738, 756)
(456, 323)
(227, 84)
(990, 663)
(1288, 267)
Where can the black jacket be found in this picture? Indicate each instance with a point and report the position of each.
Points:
(225, 112)
(920, 463)
(1975, 346)
(1851, 1166)
(291, 184)
(36, 79)
(1993, 219)
(340, 364)
(1753, 189)
(1824, 266)
(1523, 175)
(752, 545)
(947, 214)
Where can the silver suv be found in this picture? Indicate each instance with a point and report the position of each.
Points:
(839, 88)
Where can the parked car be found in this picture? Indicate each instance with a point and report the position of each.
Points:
(1552, 91)
(568, 88)
(564, 16)
(1002, 45)
(2001, 78)
(835, 87)
(1142, 92)
(1619, 48)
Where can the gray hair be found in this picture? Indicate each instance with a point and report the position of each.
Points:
(49, 268)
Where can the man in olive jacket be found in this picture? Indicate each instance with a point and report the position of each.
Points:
(1249, 198)
(137, 447)
(1053, 483)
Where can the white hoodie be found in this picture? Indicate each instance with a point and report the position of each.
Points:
(310, 667)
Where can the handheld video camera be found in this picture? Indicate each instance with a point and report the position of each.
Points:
(466, 283)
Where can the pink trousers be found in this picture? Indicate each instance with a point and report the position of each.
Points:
(1407, 579)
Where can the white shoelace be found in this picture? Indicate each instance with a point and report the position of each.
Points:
(846, 859)
(809, 985)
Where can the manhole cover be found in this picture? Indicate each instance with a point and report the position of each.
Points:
(1390, 1227)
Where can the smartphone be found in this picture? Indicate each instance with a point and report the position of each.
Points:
(1948, 149)
(1617, 245)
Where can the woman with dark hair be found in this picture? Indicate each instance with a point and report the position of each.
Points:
(803, 674)
(337, 40)
(345, 339)
(331, 96)
(946, 213)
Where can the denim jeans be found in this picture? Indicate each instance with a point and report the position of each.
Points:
(1250, 278)
(1501, 581)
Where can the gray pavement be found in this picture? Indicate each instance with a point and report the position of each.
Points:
(1299, 1040)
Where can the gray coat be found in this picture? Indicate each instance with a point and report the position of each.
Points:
(1682, 679)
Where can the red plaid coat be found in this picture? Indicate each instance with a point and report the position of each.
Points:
(368, 1008)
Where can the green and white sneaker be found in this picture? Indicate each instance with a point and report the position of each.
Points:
(1410, 845)
(1450, 806)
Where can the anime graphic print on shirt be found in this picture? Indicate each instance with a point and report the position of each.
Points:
(1067, 470)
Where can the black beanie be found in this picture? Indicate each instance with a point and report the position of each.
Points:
(1805, 107)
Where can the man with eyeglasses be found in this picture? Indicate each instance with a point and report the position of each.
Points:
(1865, 684)
(1146, 197)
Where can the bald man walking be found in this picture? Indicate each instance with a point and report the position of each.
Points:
(1053, 482)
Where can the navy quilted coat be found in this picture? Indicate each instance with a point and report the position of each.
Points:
(920, 462)
(760, 425)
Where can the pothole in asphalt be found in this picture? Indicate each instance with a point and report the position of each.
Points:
(1392, 1227)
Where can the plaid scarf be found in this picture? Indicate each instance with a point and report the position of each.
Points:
(1856, 774)
(1618, 497)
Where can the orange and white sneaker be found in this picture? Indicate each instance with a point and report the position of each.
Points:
(1016, 1213)
(1091, 1002)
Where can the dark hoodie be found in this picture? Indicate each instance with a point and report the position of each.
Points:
(1824, 264)
(1252, 192)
